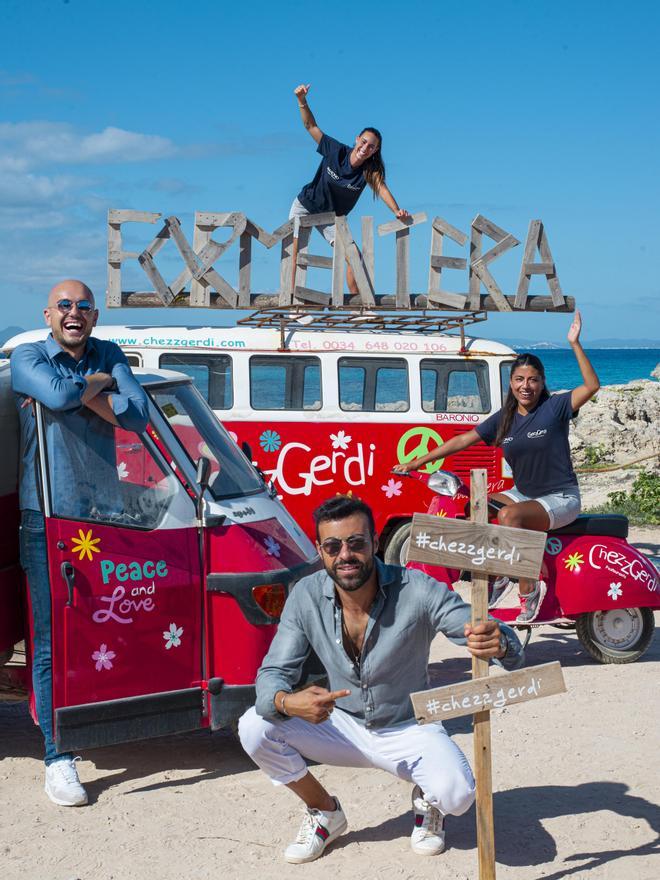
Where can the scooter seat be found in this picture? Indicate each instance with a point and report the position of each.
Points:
(612, 525)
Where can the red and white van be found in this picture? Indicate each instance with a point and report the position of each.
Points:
(328, 412)
(166, 596)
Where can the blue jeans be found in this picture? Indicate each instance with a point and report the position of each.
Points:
(34, 561)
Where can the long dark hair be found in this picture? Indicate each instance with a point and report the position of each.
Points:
(511, 404)
(374, 167)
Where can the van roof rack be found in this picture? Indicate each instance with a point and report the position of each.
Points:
(366, 320)
(305, 317)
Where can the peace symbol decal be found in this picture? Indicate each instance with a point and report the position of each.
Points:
(416, 442)
(553, 546)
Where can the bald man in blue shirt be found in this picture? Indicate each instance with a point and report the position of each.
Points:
(69, 374)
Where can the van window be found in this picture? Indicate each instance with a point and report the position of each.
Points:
(135, 360)
(288, 383)
(455, 386)
(373, 384)
(211, 373)
(118, 478)
(505, 376)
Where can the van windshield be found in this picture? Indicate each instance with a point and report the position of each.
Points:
(200, 433)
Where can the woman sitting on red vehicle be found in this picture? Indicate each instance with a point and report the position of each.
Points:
(532, 429)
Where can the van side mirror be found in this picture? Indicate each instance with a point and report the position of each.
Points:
(203, 472)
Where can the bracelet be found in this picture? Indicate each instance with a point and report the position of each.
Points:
(282, 706)
(302, 106)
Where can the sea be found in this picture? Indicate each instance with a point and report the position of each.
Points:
(614, 366)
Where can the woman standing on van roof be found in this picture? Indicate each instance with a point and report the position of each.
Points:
(341, 176)
(532, 429)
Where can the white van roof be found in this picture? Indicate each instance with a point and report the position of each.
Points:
(227, 339)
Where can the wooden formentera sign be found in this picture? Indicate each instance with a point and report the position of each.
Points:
(495, 692)
(438, 540)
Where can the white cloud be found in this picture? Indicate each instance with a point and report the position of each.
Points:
(29, 144)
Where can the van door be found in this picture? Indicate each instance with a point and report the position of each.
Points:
(126, 590)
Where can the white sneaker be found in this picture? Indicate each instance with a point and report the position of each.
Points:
(428, 836)
(62, 784)
(319, 828)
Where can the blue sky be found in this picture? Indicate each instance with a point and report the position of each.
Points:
(515, 110)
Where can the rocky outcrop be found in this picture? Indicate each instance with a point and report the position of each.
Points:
(621, 424)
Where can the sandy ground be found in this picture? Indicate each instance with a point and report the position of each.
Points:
(575, 793)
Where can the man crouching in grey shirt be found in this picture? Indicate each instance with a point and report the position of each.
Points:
(371, 626)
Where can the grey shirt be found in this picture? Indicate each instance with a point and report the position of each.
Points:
(409, 610)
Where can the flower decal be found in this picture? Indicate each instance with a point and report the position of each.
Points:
(615, 591)
(340, 440)
(392, 488)
(172, 636)
(103, 658)
(441, 512)
(270, 441)
(122, 470)
(272, 547)
(574, 561)
(85, 545)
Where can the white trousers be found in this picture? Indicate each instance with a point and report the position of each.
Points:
(419, 753)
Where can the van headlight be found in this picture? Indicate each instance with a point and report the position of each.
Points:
(444, 483)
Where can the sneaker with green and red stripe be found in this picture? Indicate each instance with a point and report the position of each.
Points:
(319, 828)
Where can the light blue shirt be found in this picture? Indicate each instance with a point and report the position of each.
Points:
(81, 445)
(409, 610)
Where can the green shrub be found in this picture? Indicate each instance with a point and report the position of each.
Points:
(641, 505)
(594, 454)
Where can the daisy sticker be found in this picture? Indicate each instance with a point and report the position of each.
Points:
(103, 658)
(615, 591)
(340, 440)
(270, 441)
(85, 545)
(392, 488)
(172, 636)
(272, 547)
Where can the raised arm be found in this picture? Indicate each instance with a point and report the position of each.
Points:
(590, 382)
(306, 114)
(390, 201)
(451, 447)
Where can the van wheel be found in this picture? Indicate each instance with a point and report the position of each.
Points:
(620, 635)
(397, 547)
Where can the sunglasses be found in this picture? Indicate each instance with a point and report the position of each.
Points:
(65, 305)
(356, 543)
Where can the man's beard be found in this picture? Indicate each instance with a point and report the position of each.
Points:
(355, 581)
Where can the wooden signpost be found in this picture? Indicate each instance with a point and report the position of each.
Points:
(484, 550)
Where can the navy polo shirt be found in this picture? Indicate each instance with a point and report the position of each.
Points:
(337, 185)
(536, 446)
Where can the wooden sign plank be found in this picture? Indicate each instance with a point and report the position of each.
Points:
(317, 219)
(119, 216)
(444, 228)
(486, 549)
(403, 269)
(440, 262)
(354, 258)
(483, 767)
(368, 249)
(444, 298)
(491, 285)
(492, 692)
(487, 227)
(307, 294)
(314, 261)
(400, 225)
